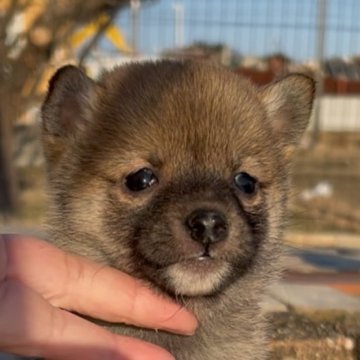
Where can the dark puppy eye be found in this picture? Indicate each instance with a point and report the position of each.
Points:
(141, 180)
(245, 183)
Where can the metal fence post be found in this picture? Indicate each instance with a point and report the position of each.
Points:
(319, 51)
(135, 9)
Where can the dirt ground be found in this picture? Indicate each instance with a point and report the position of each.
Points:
(323, 335)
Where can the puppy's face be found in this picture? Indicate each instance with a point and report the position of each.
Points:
(173, 172)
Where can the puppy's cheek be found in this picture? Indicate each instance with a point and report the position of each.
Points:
(93, 198)
(196, 280)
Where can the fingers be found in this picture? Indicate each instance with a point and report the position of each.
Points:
(30, 326)
(117, 297)
(77, 284)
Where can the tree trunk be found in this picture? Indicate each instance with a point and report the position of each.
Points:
(8, 181)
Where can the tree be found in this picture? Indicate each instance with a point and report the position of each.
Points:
(24, 57)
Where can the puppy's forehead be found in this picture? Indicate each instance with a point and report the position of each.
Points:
(181, 110)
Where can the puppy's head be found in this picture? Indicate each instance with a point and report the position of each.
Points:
(174, 172)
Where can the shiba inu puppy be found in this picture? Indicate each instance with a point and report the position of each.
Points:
(177, 173)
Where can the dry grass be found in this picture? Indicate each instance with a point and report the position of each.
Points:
(336, 162)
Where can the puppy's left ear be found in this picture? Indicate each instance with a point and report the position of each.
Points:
(288, 103)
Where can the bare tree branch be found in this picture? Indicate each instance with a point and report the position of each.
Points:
(95, 39)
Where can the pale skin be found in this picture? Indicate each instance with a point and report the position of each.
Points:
(40, 288)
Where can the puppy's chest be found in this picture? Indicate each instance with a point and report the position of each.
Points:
(224, 336)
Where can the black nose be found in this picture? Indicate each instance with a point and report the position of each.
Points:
(207, 226)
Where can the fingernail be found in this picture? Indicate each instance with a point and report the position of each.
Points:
(185, 325)
(180, 332)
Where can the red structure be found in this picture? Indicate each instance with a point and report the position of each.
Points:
(341, 78)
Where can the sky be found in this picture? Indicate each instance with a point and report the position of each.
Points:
(251, 27)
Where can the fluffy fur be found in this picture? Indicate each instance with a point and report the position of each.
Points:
(195, 126)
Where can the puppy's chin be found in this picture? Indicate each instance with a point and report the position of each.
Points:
(197, 277)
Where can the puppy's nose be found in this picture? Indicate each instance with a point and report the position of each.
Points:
(207, 226)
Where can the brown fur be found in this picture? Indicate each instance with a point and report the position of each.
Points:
(196, 125)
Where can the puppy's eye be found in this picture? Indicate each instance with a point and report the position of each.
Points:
(245, 183)
(141, 180)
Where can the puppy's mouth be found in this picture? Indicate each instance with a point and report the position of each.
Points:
(205, 260)
(198, 275)
(204, 256)
(202, 268)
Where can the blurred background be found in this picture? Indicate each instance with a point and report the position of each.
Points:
(316, 307)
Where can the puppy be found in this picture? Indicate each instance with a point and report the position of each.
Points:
(177, 173)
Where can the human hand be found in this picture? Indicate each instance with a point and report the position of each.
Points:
(39, 286)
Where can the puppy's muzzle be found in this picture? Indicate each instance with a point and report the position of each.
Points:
(207, 226)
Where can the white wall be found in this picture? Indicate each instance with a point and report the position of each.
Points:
(339, 113)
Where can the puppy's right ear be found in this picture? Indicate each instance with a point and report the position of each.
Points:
(66, 111)
(67, 107)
